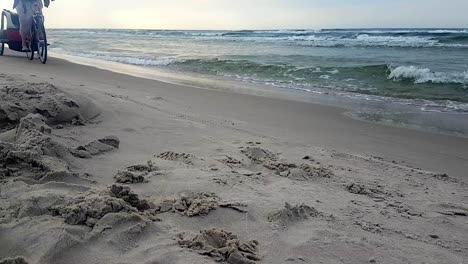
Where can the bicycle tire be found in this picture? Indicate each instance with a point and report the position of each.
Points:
(41, 43)
(2, 48)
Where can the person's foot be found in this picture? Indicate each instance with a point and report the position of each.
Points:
(26, 49)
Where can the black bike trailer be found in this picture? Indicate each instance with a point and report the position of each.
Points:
(9, 32)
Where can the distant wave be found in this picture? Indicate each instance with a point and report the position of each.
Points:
(403, 38)
(355, 37)
(398, 31)
(365, 40)
(450, 31)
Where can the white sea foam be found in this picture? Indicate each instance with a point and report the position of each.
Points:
(396, 40)
(444, 31)
(366, 40)
(425, 75)
(162, 61)
(287, 31)
(397, 31)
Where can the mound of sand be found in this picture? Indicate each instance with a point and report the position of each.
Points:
(135, 173)
(88, 209)
(361, 189)
(259, 155)
(17, 260)
(33, 154)
(221, 246)
(302, 172)
(190, 204)
(148, 168)
(19, 98)
(96, 147)
(126, 194)
(129, 177)
(293, 214)
(195, 204)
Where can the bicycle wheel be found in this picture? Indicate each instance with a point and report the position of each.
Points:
(2, 48)
(41, 42)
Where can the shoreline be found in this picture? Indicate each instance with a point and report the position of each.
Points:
(317, 124)
(422, 115)
(101, 167)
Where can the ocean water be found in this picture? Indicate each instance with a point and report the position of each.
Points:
(424, 67)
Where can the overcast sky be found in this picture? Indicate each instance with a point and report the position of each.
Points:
(254, 14)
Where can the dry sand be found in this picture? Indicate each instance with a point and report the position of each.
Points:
(100, 167)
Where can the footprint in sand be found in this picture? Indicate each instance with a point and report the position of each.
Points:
(286, 169)
(231, 162)
(179, 157)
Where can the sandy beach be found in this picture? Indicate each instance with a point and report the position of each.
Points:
(102, 167)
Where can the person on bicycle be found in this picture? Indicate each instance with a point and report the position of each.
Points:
(26, 10)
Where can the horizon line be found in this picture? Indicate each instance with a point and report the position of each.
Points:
(272, 29)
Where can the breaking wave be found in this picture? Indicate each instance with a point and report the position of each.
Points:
(425, 75)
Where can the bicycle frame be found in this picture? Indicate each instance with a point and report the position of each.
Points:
(38, 17)
(39, 37)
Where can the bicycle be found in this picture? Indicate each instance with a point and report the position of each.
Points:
(9, 34)
(39, 38)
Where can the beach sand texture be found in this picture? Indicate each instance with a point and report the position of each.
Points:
(100, 167)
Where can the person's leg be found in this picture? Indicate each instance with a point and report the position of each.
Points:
(25, 18)
(25, 31)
